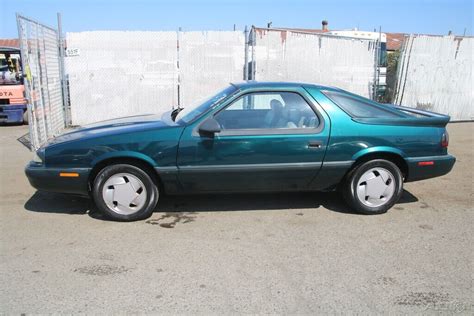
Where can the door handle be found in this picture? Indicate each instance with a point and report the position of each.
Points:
(314, 144)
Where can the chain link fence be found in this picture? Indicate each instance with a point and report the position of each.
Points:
(40, 54)
(286, 55)
(435, 73)
(117, 73)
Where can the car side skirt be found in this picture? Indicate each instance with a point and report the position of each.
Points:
(330, 175)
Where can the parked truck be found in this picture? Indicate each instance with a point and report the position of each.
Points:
(13, 104)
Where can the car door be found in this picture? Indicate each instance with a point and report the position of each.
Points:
(268, 141)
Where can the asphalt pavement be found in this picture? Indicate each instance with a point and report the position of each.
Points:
(302, 253)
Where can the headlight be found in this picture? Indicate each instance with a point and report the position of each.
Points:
(38, 156)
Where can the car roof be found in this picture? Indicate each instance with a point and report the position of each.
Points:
(281, 84)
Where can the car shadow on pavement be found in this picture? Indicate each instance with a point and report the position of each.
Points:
(47, 202)
(332, 201)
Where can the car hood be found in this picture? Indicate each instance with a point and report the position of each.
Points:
(115, 126)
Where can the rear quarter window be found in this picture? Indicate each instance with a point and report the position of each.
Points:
(360, 108)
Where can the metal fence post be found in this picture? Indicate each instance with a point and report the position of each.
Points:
(29, 105)
(246, 64)
(41, 60)
(399, 72)
(42, 83)
(177, 65)
(379, 52)
(253, 41)
(376, 69)
(402, 75)
(67, 108)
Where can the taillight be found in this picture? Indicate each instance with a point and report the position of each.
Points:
(445, 140)
(426, 163)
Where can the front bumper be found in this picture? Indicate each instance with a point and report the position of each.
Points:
(49, 179)
(431, 167)
(12, 113)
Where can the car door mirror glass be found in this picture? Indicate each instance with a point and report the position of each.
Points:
(209, 126)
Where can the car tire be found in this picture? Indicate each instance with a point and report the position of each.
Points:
(25, 117)
(125, 192)
(373, 187)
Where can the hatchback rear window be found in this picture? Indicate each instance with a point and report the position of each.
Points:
(356, 107)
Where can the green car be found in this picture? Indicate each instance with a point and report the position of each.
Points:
(249, 137)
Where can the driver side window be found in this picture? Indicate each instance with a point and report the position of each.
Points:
(268, 110)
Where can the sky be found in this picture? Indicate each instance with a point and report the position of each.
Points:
(415, 16)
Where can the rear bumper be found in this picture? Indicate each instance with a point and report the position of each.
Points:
(49, 179)
(434, 166)
(12, 113)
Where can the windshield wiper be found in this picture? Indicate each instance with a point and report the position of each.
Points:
(175, 113)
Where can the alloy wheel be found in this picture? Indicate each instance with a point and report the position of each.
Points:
(375, 187)
(124, 193)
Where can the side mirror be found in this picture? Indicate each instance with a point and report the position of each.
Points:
(210, 126)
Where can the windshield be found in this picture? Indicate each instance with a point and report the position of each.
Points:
(10, 68)
(189, 113)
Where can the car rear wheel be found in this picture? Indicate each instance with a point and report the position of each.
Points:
(373, 187)
(125, 193)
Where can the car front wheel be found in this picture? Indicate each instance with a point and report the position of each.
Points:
(373, 187)
(125, 192)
